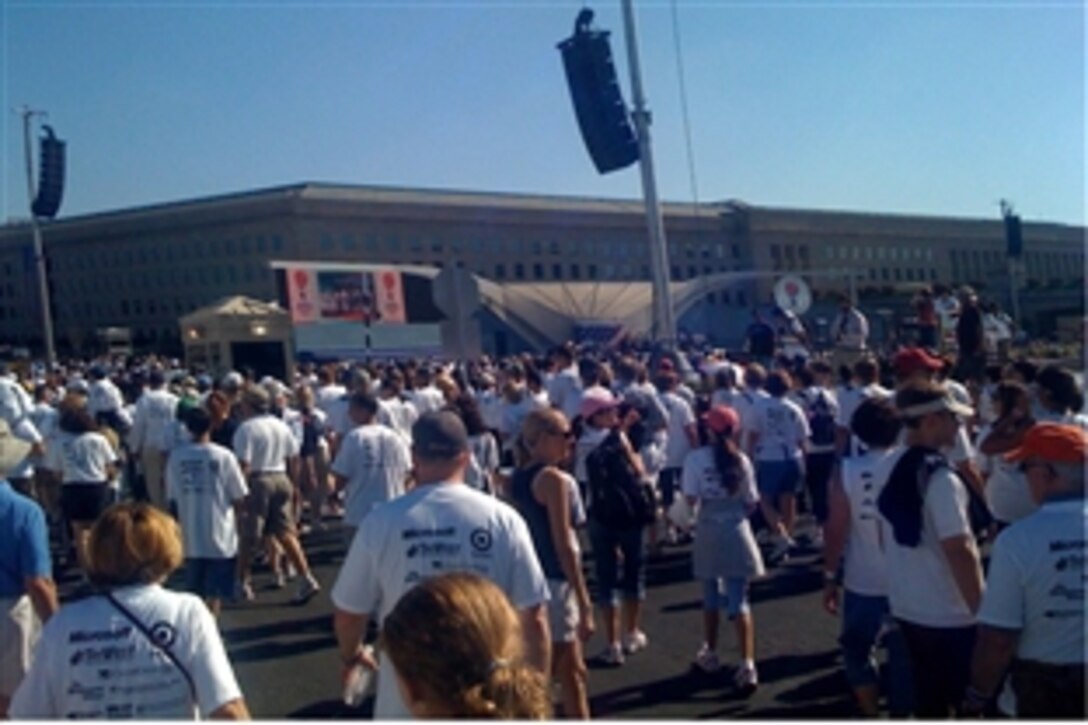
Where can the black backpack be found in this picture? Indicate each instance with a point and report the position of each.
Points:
(821, 422)
(618, 498)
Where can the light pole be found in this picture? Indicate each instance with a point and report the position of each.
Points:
(664, 327)
(39, 250)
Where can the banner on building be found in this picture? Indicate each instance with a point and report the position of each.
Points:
(346, 296)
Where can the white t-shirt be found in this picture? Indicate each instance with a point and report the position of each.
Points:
(327, 396)
(205, 481)
(265, 443)
(1036, 583)
(782, 428)
(401, 414)
(431, 530)
(865, 569)
(154, 412)
(1007, 491)
(565, 392)
(513, 414)
(92, 663)
(103, 397)
(677, 444)
(376, 461)
(428, 399)
(747, 401)
(490, 404)
(82, 458)
(922, 589)
(850, 399)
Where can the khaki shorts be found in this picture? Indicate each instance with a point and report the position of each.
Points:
(268, 507)
(19, 631)
(562, 611)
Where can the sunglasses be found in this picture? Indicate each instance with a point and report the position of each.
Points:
(564, 434)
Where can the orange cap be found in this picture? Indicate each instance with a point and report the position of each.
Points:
(1052, 442)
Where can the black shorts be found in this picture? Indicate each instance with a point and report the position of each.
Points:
(84, 502)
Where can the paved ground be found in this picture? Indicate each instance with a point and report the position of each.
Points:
(285, 658)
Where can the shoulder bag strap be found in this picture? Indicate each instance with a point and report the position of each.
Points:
(154, 642)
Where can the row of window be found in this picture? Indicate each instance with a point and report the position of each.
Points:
(151, 251)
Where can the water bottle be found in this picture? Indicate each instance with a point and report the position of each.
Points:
(359, 682)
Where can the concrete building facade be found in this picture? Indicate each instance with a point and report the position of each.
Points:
(144, 268)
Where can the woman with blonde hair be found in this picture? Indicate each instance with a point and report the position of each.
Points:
(456, 646)
(159, 651)
(542, 494)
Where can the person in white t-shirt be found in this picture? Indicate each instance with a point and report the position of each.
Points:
(1060, 397)
(936, 579)
(372, 465)
(778, 440)
(153, 415)
(328, 391)
(401, 412)
(863, 386)
(565, 387)
(86, 463)
(205, 484)
(751, 396)
(681, 438)
(854, 545)
(1007, 491)
(439, 526)
(1031, 622)
(268, 453)
(135, 650)
(718, 477)
(425, 396)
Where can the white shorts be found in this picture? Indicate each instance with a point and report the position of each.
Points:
(19, 631)
(562, 611)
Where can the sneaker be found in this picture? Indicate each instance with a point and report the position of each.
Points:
(307, 590)
(745, 679)
(612, 655)
(245, 592)
(706, 660)
(635, 642)
(291, 571)
(780, 549)
(280, 580)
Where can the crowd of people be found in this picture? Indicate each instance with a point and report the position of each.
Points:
(467, 492)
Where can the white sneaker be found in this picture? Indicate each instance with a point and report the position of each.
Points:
(612, 655)
(707, 660)
(745, 679)
(635, 642)
(280, 580)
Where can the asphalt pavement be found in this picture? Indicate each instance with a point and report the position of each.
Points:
(285, 659)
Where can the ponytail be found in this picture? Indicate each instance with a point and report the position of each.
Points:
(727, 462)
(509, 691)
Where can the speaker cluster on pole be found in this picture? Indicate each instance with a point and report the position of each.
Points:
(1013, 237)
(50, 176)
(598, 104)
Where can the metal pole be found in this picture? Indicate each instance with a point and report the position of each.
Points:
(39, 249)
(664, 322)
(1014, 287)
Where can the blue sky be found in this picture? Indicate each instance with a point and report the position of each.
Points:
(938, 108)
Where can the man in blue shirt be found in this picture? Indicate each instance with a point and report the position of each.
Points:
(28, 595)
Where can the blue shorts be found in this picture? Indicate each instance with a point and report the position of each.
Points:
(210, 578)
(775, 478)
(732, 597)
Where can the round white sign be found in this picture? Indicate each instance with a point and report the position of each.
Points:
(793, 294)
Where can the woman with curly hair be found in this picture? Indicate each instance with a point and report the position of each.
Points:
(456, 646)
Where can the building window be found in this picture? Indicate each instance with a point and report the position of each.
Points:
(500, 271)
(591, 271)
(326, 243)
(742, 299)
(519, 271)
(538, 271)
(674, 270)
(575, 271)
(736, 251)
(557, 271)
(726, 298)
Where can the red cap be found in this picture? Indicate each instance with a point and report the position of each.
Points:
(911, 359)
(1052, 442)
(722, 419)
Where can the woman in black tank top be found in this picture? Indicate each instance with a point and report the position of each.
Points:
(542, 493)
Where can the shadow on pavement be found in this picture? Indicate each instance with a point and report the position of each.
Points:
(321, 624)
(334, 710)
(686, 687)
(277, 650)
